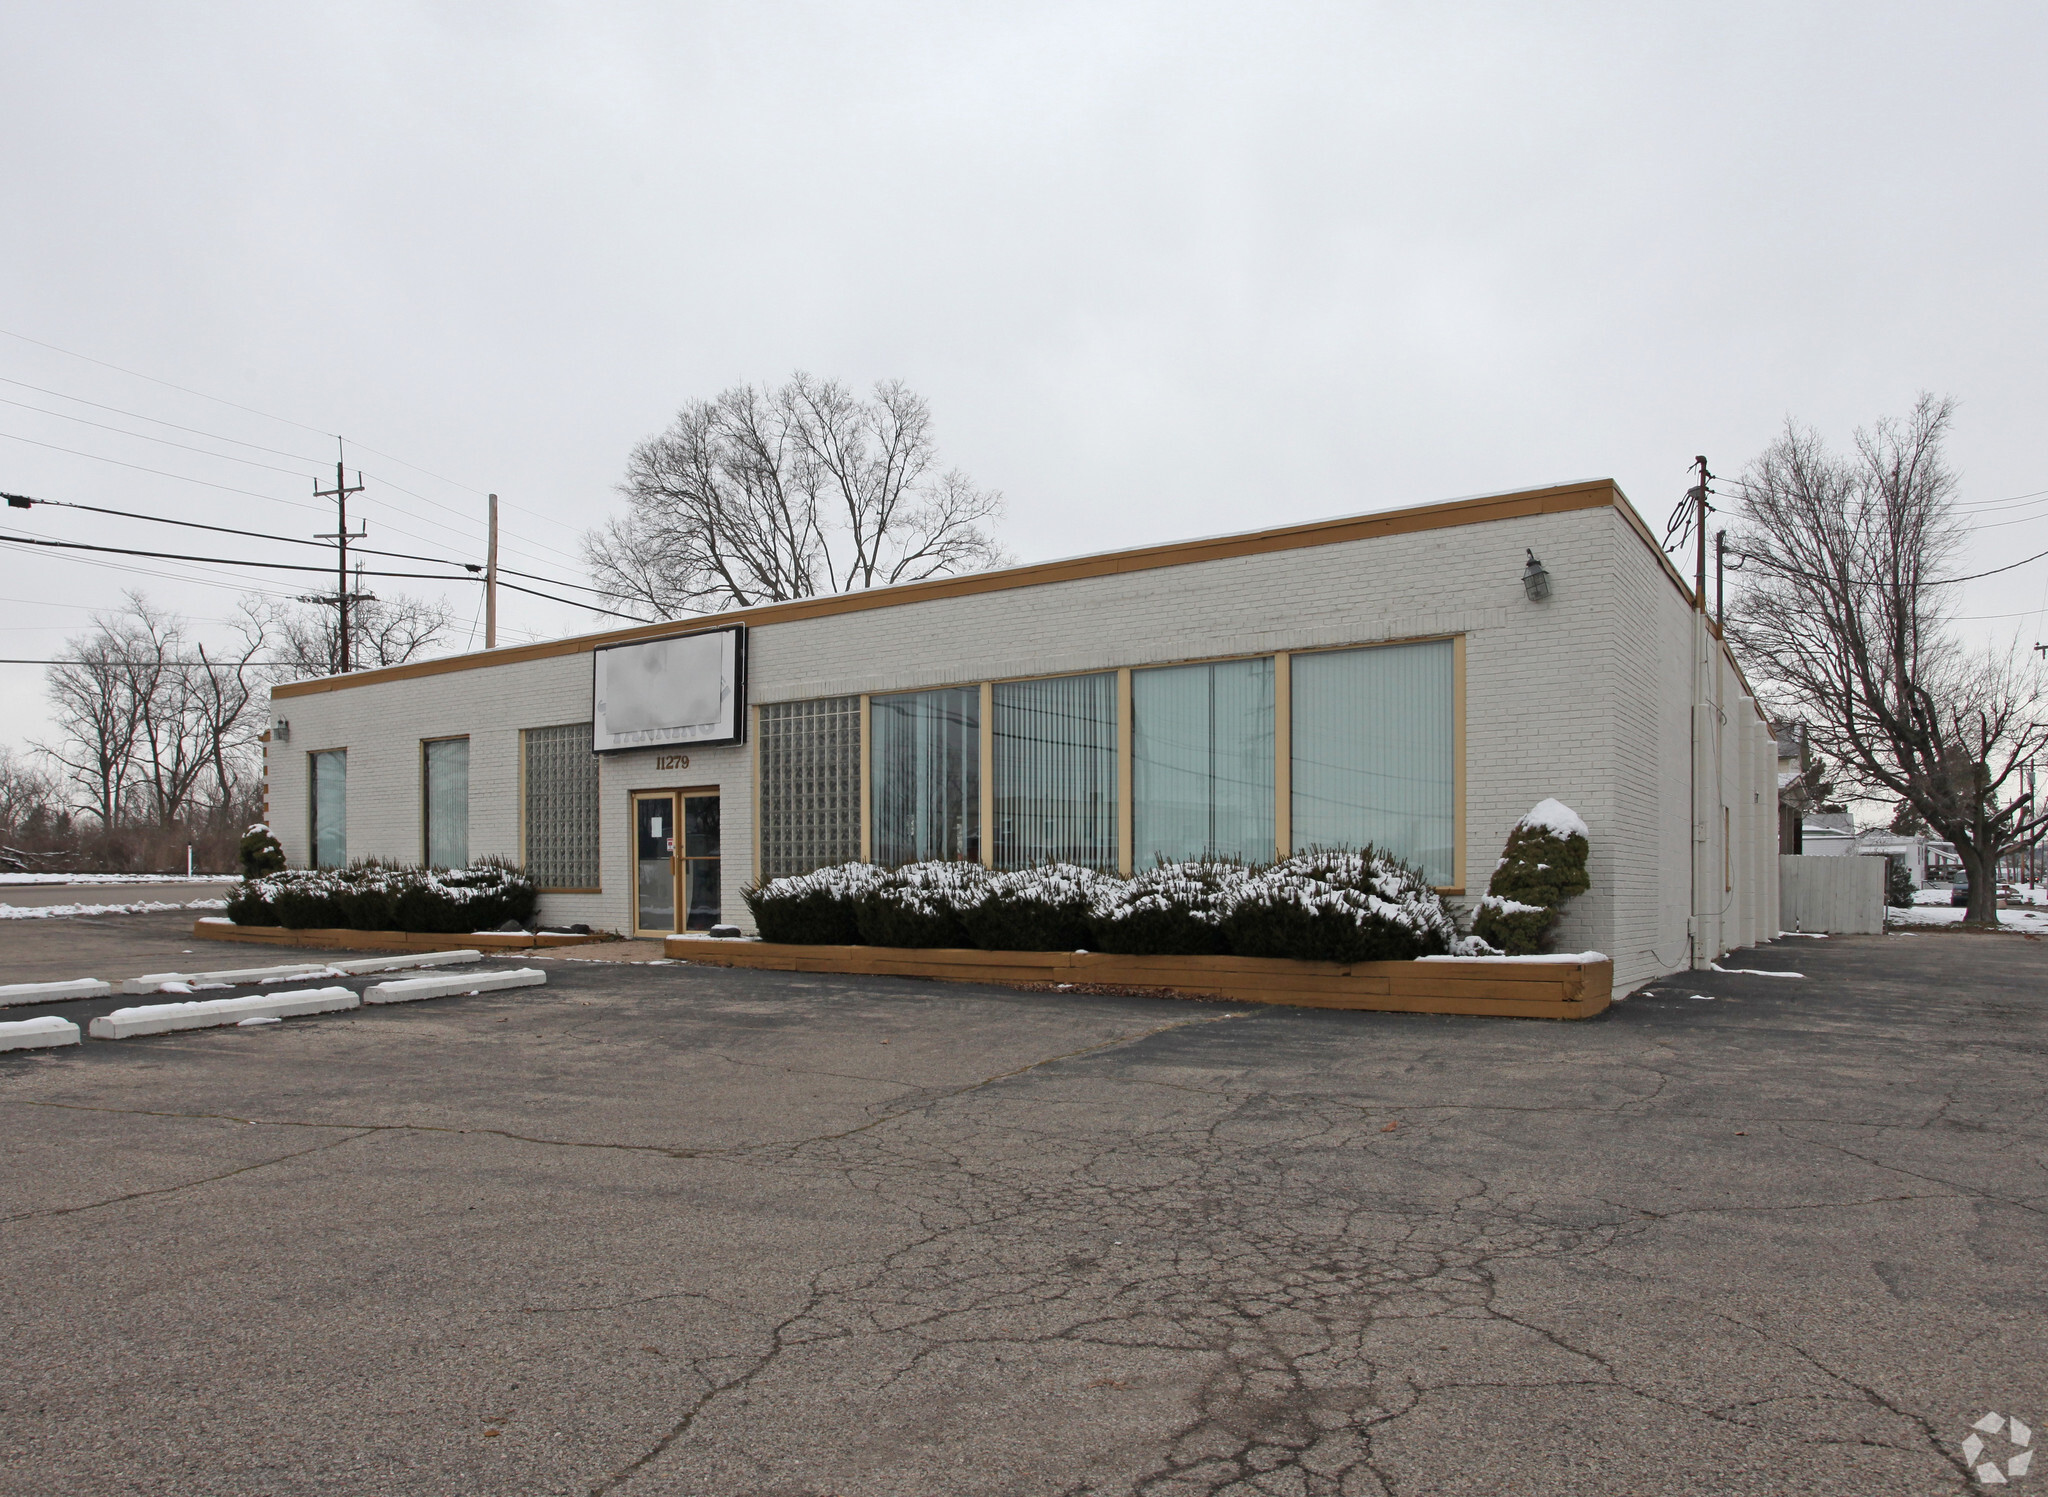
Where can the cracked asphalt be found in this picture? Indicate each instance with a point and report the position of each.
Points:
(667, 1229)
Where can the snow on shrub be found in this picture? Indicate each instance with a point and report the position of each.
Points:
(1175, 909)
(1034, 909)
(378, 896)
(1325, 905)
(812, 909)
(1335, 906)
(260, 852)
(1543, 865)
(921, 904)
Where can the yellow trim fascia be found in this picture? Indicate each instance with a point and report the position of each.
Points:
(1523, 504)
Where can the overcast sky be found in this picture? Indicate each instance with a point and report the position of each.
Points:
(1161, 270)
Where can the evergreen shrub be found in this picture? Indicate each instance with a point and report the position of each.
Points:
(921, 904)
(819, 908)
(260, 852)
(1898, 884)
(1329, 905)
(1034, 909)
(376, 896)
(1543, 865)
(1174, 909)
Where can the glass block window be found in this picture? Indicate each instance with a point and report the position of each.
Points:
(561, 807)
(810, 785)
(1055, 771)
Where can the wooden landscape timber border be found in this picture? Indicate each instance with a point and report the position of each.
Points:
(385, 940)
(1564, 988)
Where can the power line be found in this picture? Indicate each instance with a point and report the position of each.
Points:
(288, 540)
(229, 488)
(1785, 571)
(225, 561)
(181, 389)
(272, 416)
(155, 420)
(143, 436)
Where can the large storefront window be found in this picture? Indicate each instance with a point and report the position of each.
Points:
(1055, 771)
(810, 785)
(1202, 762)
(926, 763)
(330, 809)
(1374, 736)
(445, 772)
(561, 785)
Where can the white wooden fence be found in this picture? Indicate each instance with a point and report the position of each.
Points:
(1841, 896)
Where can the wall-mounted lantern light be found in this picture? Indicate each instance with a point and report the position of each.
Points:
(1535, 581)
(281, 731)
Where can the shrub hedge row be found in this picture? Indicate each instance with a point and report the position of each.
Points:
(1325, 906)
(378, 896)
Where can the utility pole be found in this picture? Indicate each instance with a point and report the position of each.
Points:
(342, 596)
(1699, 496)
(491, 582)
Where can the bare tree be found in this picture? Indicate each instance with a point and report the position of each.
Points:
(144, 721)
(759, 497)
(94, 701)
(1844, 618)
(382, 631)
(27, 792)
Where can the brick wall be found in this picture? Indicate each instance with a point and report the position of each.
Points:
(1581, 697)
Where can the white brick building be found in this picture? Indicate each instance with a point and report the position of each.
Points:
(1610, 694)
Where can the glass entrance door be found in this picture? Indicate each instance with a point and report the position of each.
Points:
(654, 863)
(675, 862)
(699, 865)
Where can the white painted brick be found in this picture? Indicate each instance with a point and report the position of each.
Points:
(1582, 697)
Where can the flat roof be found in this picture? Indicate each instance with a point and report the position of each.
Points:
(1520, 504)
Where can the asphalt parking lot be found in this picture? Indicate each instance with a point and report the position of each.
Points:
(669, 1229)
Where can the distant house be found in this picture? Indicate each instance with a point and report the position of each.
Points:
(1828, 834)
(1924, 859)
(1793, 759)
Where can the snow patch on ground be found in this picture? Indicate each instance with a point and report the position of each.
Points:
(58, 911)
(113, 878)
(2033, 922)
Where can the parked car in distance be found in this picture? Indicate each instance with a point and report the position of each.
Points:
(1959, 892)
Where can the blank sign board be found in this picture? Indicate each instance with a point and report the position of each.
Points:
(689, 688)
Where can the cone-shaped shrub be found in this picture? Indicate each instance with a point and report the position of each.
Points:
(260, 852)
(1034, 909)
(1334, 906)
(1175, 909)
(1543, 865)
(819, 908)
(921, 904)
